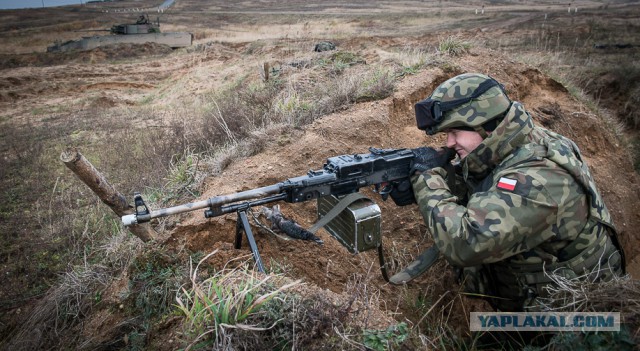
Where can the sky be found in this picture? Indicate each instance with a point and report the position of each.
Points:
(20, 4)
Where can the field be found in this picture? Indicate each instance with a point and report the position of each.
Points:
(249, 105)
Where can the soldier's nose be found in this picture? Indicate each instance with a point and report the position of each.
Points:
(451, 140)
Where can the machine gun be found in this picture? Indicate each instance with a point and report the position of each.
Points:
(387, 170)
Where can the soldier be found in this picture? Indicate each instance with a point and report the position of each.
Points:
(142, 19)
(520, 204)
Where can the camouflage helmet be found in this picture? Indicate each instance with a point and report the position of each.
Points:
(467, 101)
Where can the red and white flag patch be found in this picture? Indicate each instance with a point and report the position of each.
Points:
(507, 184)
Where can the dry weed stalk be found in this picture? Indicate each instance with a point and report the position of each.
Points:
(587, 293)
(219, 118)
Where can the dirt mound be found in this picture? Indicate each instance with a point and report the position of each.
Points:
(390, 124)
(97, 55)
(125, 51)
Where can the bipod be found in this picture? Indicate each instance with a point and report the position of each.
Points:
(242, 224)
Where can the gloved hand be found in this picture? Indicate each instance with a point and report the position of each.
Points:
(402, 193)
(428, 157)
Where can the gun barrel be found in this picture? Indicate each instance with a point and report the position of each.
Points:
(216, 201)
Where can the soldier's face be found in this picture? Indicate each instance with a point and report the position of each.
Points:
(463, 141)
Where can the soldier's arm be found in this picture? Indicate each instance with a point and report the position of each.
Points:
(494, 224)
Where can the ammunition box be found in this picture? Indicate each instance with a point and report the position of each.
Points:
(357, 227)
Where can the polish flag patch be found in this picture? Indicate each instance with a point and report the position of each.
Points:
(507, 184)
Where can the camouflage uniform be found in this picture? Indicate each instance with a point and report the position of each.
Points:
(509, 238)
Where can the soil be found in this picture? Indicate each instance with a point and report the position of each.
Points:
(92, 80)
(390, 124)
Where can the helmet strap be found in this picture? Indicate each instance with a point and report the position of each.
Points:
(483, 133)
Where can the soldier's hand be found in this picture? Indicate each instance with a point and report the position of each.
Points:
(428, 157)
(402, 193)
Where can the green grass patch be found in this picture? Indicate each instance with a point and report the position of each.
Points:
(225, 300)
(388, 339)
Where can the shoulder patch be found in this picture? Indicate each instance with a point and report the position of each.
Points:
(507, 184)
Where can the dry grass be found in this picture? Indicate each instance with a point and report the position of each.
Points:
(454, 46)
(60, 309)
(588, 294)
(241, 309)
(234, 122)
(171, 156)
(68, 228)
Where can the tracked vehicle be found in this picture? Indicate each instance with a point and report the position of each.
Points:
(143, 31)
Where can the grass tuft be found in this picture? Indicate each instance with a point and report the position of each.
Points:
(223, 301)
(453, 46)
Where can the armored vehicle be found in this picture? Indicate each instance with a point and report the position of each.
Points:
(142, 26)
(143, 31)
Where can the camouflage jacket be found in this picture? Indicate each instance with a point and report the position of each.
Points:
(527, 199)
